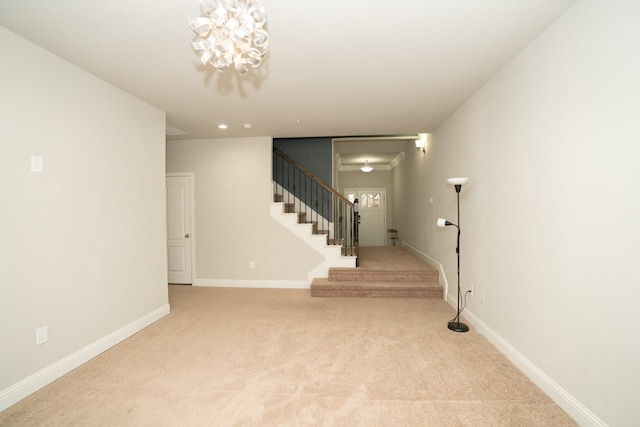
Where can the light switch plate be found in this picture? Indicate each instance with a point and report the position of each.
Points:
(42, 335)
(36, 164)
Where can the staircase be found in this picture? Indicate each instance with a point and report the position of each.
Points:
(334, 252)
(328, 222)
(314, 212)
(385, 272)
(302, 219)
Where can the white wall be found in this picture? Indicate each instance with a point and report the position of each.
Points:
(412, 214)
(233, 193)
(550, 216)
(84, 242)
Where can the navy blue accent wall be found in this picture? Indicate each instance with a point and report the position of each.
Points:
(315, 155)
(312, 153)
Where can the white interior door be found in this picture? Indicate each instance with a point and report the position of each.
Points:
(179, 228)
(373, 214)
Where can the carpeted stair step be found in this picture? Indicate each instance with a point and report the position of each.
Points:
(328, 288)
(365, 275)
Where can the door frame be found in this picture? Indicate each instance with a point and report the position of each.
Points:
(383, 191)
(192, 219)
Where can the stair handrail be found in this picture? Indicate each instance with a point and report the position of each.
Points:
(311, 175)
(337, 214)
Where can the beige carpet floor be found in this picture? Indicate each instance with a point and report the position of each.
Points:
(259, 357)
(390, 258)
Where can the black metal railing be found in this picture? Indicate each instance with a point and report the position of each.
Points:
(316, 203)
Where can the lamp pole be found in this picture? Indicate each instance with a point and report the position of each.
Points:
(455, 324)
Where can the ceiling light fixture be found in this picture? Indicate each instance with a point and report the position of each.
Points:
(222, 126)
(366, 168)
(231, 32)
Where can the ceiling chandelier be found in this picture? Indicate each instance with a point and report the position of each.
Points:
(231, 32)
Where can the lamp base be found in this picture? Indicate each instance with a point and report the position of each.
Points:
(458, 327)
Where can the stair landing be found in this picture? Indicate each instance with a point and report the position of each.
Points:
(386, 271)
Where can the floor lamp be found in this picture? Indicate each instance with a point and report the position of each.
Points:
(455, 324)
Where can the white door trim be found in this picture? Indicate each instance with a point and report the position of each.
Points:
(192, 234)
(383, 192)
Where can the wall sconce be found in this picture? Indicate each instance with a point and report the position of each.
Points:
(421, 142)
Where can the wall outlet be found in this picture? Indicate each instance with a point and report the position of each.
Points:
(252, 264)
(471, 289)
(42, 335)
(482, 295)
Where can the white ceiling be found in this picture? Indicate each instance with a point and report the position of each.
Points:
(335, 67)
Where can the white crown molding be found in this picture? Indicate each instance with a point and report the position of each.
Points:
(397, 160)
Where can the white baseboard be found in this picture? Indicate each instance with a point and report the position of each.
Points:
(433, 263)
(15, 393)
(266, 284)
(560, 396)
(566, 401)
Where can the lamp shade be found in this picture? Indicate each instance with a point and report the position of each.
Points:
(458, 181)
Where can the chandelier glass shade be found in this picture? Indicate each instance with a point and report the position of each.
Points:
(366, 168)
(231, 32)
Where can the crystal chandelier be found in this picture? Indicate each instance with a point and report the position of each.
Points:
(231, 32)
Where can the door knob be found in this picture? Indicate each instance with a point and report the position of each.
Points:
(186, 236)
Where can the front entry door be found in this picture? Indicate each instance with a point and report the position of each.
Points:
(179, 228)
(372, 214)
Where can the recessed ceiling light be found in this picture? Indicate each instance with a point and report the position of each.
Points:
(247, 126)
(222, 126)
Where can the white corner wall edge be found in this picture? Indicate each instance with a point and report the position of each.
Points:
(15, 393)
(241, 283)
(566, 401)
